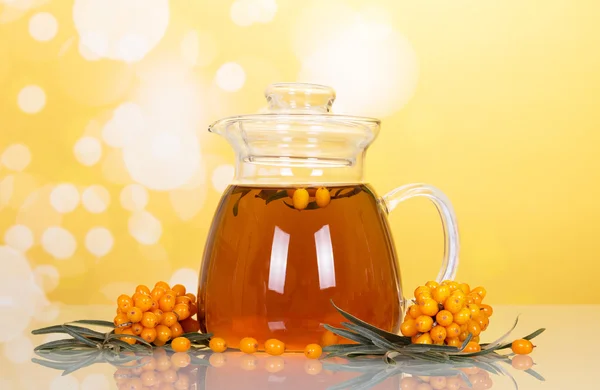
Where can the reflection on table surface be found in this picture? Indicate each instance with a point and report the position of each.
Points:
(196, 370)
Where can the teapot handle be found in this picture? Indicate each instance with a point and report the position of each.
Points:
(450, 261)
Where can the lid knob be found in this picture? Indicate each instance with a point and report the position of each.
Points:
(299, 98)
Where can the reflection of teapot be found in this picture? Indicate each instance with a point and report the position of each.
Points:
(299, 227)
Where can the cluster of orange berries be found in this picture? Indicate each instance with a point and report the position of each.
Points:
(273, 347)
(160, 371)
(446, 313)
(158, 315)
(301, 197)
(480, 380)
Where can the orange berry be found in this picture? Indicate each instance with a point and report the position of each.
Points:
(424, 323)
(157, 293)
(463, 335)
(464, 287)
(183, 299)
(176, 330)
(476, 339)
(452, 285)
(137, 328)
(180, 344)
(414, 311)
(163, 333)
(422, 289)
(329, 338)
(425, 338)
(182, 311)
(432, 285)
(444, 317)
(522, 347)
(134, 314)
(453, 330)
(169, 319)
(192, 297)
(217, 344)
(159, 315)
(300, 199)
(474, 298)
(144, 302)
(124, 302)
(475, 311)
(149, 320)
(167, 302)
(159, 343)
(473, 328)
(313, 351)
(409, 327)
(121, 320)
(441, 293)
(274, 346)
(162, 284)
(193, 309)
(459, 294)
(322, 197)
(148, 334)
(486, 310)
(479, 291)
(429, 307)
(438, 333)
(472, 347)
(463, 316)
(128, 340)
(483, 322)
(190, 325)
(248, 345)
(454, 342)
(453, 304)
(179, 290)
(142, 289)
(522, 362)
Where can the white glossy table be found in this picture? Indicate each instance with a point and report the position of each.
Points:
(566, 356)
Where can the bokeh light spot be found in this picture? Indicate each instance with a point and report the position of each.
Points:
(19, 237)
(230, 77)
(43, 26)
(88, 150)
(145, 228)
(126, 124)
(68, 382)
(16, 157)
(46, 276)
(134, 197)
(99, 241)
(64, 198)
(186, 276)
(222, 176)
(247, 12)
(59, 242)
(18, 350)
(31, 99)
(95, 199)
(95, 382)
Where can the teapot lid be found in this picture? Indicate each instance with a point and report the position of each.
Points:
(301, 103)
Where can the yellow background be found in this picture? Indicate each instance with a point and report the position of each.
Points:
(494, 102)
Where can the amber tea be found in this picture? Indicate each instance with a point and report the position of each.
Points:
(271, 270)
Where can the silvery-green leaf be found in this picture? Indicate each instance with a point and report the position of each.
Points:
(374, 337)
(347, 334)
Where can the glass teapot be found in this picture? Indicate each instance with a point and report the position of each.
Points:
(299, 228)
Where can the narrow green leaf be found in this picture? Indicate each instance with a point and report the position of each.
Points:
(535, 334)
(237, 203)
(60, 344)
(61, 329)
(79, 337)
(394, 338)
(289, 205)
(349, 335)
(120, 336)
(84, 363)
(278, 195)
(312, 206)
(374, 337)
(339, 347)
(535, 374)
(431, 347)
(106, 324)
(197, 336)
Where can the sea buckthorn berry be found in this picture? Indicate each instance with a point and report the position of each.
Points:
(453, 286)
(424, 323)
(124, 302)
(182, 311)
(425, 338)
(176, 330)
(422, 289)
(441, 293)
(274, 346)
(313, 351)
(329, 338)
(149, 320)
(190, 325)
(248, 345)
(137, 328)
(483, 322)
(414, 311)
(454, 342)
(409, 327)
(522, 362)
(463, 316)
(148, 334)
(322, 197)
(453, 304)
(432, 285)
(179, 290)
(463, 336)
(430, 307)
(464, 287)
(473, 328)
(128, 340)
(182, 344)
(142, 289)
(472, 347)
(121, 320)
(300, 199)
(157, 293)
(422, 298)
(217, 344)
(169, 319)
(460, 295)
(159, 315)
(479, 291)
(167, 302)
(487, 310)
(453, 330)
(144, 302)
(134, 314)
(192, 297)
(183, 299)
(444, 317)
(476, 339)
(193, 309)
(476, 299)
(522, 347)
(475, 311)
(415, 337)
(162, 284)
(438, 333)
(163, 333)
